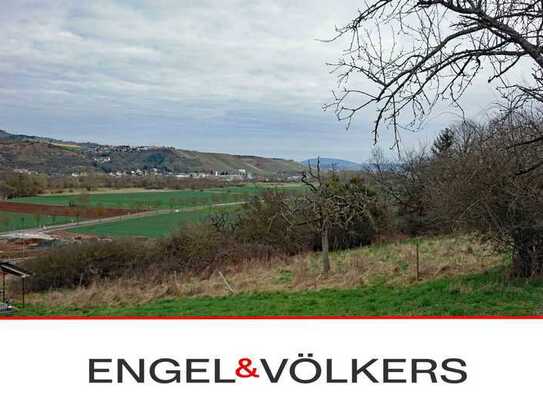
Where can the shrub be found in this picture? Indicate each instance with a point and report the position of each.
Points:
(193, 249)
(201, 248)
(269, 219)
(264, 221)
(356, 226)
(76, 265)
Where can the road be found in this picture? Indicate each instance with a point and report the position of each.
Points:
(92, 222)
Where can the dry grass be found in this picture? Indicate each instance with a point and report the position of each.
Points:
(392, 263)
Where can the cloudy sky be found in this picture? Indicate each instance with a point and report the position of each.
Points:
(244, 77)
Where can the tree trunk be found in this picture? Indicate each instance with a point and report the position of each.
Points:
(528, 256)
(325, 254)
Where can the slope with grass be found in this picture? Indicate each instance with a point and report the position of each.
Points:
(458, 276)
(480, 294)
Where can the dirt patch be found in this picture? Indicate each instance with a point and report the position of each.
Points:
(56, 210)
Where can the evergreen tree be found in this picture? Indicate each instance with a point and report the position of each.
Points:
(443, 143)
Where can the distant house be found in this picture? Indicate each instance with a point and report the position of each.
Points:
(22, 171)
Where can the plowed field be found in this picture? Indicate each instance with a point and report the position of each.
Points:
(69, 211)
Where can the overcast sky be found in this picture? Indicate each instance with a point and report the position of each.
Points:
(244, 77)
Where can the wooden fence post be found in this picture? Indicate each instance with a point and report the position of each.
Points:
(418, 259)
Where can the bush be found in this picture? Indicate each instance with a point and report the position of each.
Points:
(78, 264)
(194, 249)
(405, 186)
(269, 220)
(201, 248)
(263, 221)
(355, 227)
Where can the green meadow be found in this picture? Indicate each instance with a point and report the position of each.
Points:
(486, 293)
(153, 199)
(151, 226)
(186, 206)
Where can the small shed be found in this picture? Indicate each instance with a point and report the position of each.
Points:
(8, 269)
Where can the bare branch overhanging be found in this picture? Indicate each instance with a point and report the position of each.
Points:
(436, 50)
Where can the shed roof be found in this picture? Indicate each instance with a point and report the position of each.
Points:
(8, 268)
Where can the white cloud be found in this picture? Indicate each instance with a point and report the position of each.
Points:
(256, 52)
(180, 68)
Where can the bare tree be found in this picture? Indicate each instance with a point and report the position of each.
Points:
(434, 51)
(321, 207)
(331, 202)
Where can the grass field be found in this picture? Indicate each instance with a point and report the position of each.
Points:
(14, 221)
(150, 226)
(191, 202)
(481, 294)
(155, 199)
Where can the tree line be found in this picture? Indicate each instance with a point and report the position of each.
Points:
(20, 184)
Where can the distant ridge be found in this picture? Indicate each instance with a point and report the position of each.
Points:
(57, 157)
(338, 164)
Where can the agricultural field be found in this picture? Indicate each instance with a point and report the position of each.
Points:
(173, 207)
(15, 221)
(153, 199)
(66, 211)
(151, 226)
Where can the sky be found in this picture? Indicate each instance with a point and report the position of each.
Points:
(241, 77)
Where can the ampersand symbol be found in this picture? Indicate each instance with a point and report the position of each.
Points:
(244, 371)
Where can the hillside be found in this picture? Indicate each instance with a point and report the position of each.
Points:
(52, 156)
(373, 280)
(41, 157)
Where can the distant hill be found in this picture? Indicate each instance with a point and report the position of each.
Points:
(51, 156)
(329, 163)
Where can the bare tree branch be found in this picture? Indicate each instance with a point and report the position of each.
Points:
(435, 50)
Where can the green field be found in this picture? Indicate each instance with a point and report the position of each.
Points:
(150, 226)
(480, 294)
(14, 221)
(153, 199)
(190, 202)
